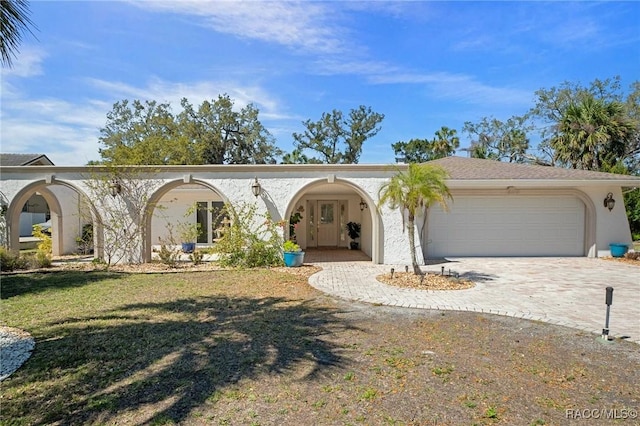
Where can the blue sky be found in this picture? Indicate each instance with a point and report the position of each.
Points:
(422, 64)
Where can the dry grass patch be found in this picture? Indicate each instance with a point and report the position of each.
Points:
(261, 347)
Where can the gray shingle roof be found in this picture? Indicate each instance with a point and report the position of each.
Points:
(24, 160)
(461, 168)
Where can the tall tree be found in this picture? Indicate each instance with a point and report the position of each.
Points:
(592, 134)
(552, 105)
(14, 22)
(336, 139)
(593, 128)
(412, 191)
(498, 140)
(144, 133)
(295, 157)
(414, 151)
(148, 133)
(227, 136)
(444, 144)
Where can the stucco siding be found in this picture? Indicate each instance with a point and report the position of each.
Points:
(285, 188)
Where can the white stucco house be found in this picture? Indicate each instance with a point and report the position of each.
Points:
(498, 209)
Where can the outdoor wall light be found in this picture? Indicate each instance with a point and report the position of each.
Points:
(256, 188)
(115, 188)
(363, 205)
(609, 202)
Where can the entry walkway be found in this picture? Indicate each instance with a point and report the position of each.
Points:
(562, 291)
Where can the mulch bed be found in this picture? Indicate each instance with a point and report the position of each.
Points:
(627, 260)
(425, 282)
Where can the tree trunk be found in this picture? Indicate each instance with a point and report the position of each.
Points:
(412, 244)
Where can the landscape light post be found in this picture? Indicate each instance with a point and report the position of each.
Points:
(608, 301)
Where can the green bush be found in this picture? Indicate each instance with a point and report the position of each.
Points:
(11, 260)
(196, 257)
(250, 240)
(290, 246)
(169, 255)
(42, 258)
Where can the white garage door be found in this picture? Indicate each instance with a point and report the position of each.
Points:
(507, 226)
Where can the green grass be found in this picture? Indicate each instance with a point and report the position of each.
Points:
(262, 347)
(107, 342)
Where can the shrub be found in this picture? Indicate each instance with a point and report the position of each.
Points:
(42, 258)
(11, 260)
(45, 244)
(196, 257)
(250, 240)
(633, 255)
(85, 241)
(290, 246)
(169, 254)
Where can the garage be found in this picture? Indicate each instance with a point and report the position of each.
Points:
(510, 225)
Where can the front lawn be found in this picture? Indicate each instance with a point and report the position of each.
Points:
(261, 347)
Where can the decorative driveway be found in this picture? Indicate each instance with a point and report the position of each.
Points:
(563, 291)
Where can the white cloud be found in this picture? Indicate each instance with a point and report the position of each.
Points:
(197, 92)
(459, 87)
(309, 26)
(27, 64)
(68, 132)
(339, 66)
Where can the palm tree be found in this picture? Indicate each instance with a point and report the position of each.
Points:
(445, 143)
(417, 188)
(591, 134)
(14, 20)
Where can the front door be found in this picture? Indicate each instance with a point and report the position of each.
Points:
(328, 223)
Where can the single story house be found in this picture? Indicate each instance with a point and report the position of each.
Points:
(497, 209)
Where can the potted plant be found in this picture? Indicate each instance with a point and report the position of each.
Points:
(618, 249)
(293, 254)
(353, 229)
(188, 236)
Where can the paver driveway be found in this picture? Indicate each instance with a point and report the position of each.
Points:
(564, 291)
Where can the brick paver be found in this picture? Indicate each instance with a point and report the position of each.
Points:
(562, 291)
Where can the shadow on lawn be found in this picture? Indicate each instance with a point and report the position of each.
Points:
(19, 284)
(169, 358)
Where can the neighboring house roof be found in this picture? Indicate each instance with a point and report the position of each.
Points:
(25, 160)
(461, 168)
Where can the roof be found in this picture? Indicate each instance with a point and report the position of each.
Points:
(25, 160)
(461, 168)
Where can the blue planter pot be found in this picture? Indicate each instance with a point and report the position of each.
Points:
(188, 247)
(293, 259)
(618, 250)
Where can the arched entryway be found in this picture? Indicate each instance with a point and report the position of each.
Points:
(59, 207)
(321, 211)
(179, 206)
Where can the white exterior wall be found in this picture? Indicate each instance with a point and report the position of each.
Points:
(285, 187)
(177, 206)
(611, 226)
(72, 216)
